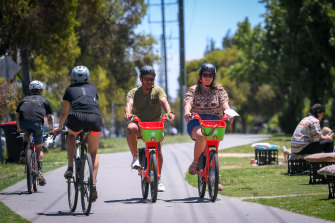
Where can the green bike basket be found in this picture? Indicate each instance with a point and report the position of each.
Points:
(152, 131)
(217, 127)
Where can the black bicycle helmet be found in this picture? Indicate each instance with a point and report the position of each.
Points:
(147, 69)
(207, 67)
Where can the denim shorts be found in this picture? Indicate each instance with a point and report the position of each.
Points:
(195, 122)
(35, 128)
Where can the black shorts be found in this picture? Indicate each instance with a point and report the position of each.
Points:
(77, 121)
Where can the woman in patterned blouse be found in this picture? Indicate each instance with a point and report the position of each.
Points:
(307, 137)
(209, 100)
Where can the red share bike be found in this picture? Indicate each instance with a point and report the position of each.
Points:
(208, 165)
(152, 135)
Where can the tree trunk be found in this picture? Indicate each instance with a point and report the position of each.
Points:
(25, 71)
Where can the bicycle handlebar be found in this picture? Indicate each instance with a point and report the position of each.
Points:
(137, 119)
(197, 116)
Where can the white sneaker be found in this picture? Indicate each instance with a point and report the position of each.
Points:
(161, 187)
(135, 164)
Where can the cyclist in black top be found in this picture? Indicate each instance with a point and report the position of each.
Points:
(30, 115)
(82, 97)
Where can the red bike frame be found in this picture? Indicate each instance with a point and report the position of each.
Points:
(210, 143)
(150, 144)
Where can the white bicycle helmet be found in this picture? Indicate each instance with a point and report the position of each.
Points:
(36, 85)
(80, 74)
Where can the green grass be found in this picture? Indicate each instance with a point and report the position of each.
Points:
(264, 183)
(319, 206)
(8, 216)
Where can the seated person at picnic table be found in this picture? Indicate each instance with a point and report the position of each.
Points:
(307, 137)
(324, 132)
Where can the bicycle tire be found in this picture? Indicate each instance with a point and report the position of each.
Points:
(213, 180)
(72, 189)
(34, 171)
(201, 185)
(86, 183)
(29, 170)
(201, 179)
(153, 177)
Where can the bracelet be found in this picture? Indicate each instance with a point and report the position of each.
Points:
(170, 112)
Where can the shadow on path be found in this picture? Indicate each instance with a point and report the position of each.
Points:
(63, 213)
(130, 201)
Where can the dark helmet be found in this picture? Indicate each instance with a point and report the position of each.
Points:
(147, 69)
(207, 67)
(80, 74)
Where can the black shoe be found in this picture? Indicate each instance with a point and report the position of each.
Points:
(68, 173)
(94, 193)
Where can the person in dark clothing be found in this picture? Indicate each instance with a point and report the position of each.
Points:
(82, 97)
(30, 115)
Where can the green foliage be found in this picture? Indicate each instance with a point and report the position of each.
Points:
(54, 36)
(8, 98)
(297, 46)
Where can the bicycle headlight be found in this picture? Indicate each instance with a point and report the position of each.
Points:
(153, 139)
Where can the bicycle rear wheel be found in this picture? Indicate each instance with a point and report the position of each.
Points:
(29, 171)
(72, 190)
(87, 184)
(213, 180)
(34, 171)
(153, 177)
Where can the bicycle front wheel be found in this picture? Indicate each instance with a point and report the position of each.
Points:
(153, 177)
(213, 180)
(72, 190)
(29, 171)
(87, 184)
(201, 179)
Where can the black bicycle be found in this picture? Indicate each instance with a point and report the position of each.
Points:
(31, 168)
(82, 179)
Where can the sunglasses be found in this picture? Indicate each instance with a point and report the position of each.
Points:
(149, 79)
(207, 75)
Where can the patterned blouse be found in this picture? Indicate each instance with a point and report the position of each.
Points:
(307, 131)
(206, 102)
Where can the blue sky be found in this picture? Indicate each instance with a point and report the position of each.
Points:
(204, 20)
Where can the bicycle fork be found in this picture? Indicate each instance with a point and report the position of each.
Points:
(206, 174)
(147, 173)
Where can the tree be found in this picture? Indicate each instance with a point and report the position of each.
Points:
(34, 28)
(8, 98)
(298, 47)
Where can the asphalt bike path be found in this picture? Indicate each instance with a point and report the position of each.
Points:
(120, 198)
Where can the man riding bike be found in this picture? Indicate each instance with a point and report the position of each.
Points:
(30, 115)
(82, 97)
(145, 102)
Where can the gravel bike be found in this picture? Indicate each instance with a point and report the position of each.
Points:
(82, 179)
(152, 135)
(208, 165)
